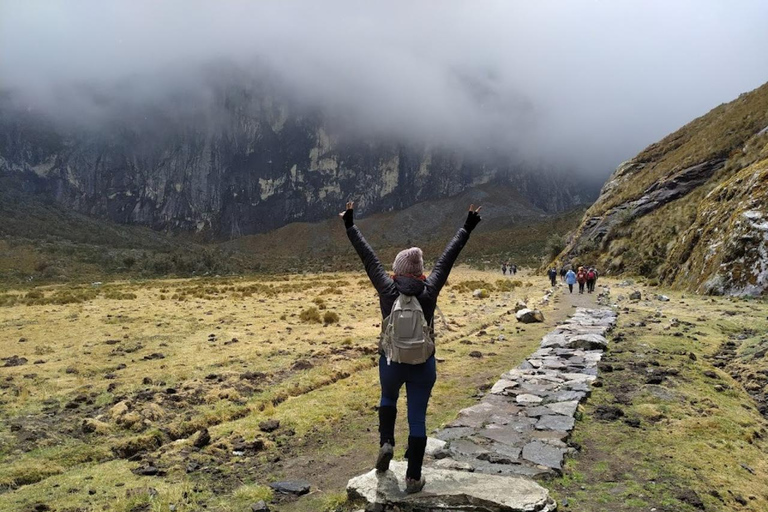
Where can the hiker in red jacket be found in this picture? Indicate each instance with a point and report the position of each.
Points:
(591, 278)
(581, 277)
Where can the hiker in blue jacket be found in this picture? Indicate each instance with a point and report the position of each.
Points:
(408, 279)
(570, 279)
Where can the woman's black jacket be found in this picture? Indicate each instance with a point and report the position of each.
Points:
(389, 289)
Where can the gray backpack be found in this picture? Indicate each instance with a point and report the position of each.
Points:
(405, 333)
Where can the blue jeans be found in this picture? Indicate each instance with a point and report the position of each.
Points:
(418, 380)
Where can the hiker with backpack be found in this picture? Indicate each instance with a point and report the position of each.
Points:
(552, 273)
(581, 277)
(591, 278)
(504, 269)
(406, 346)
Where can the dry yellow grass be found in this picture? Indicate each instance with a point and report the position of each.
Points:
(136, 370)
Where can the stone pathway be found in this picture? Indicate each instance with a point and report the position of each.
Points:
(518, 430)
(521, 426)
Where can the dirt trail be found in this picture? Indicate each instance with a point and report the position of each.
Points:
(565, 302)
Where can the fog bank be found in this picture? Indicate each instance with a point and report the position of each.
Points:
(580, 85)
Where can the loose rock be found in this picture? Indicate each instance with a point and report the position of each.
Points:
(295, 487)
(269, 425)
(259, 506)
(528, 316)
(202, 439)
(14, 361)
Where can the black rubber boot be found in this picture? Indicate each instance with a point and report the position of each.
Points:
(387, 416)
(416, 447)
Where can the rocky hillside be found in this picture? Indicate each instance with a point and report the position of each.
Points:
(243, 158)
(42, 241)
(691, 209)
(512, 229)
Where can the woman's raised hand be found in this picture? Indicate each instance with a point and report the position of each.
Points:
(346, 215)
(473, 218)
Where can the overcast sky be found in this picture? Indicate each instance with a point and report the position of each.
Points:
(584, 84)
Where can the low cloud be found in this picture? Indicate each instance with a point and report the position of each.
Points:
(576, 85)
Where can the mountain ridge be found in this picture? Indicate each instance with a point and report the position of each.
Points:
(248, 159)
(41, 241)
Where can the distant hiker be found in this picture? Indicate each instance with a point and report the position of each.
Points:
(514, 269)
(562, 273)
(406, 349)
(570, 279)
(504, 268)
(581, 277)
(591, 278)
(552, 276)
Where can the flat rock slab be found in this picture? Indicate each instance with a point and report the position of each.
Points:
(554, 340)
(588, 342)
(467, 447)
(507, 435)
(555, 422)
(297, 487)
(544, 454)
(502, 385)
(528, 399)
(447, 434)
(564, 408)
(449, 490)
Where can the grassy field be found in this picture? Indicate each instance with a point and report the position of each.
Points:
(108, 394)
(109, 380)
(673, 426)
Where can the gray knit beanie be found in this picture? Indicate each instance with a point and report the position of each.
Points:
(409, 262)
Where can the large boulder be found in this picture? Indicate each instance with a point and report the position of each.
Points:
(529, 316)
(451, 490)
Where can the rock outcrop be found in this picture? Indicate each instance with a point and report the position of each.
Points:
(691, 209)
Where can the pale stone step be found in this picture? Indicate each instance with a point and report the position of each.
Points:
(449, 490)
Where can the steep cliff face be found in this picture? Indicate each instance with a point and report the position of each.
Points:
(692, 209)
(246, 161)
